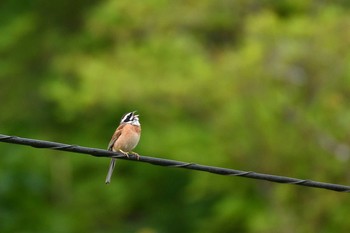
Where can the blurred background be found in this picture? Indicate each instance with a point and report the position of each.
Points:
(251, 85)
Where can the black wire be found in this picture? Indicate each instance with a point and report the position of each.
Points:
(171, 163)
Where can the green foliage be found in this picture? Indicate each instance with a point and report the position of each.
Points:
(249, 85)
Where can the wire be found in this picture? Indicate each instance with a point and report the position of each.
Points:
(171, 163)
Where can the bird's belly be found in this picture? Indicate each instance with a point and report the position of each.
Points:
(127, 142)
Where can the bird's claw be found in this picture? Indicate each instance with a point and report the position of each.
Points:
(136, 154)
(125, 153)
(131, 152)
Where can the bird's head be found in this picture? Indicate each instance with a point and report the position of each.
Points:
(130, 118)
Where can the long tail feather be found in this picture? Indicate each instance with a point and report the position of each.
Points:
(110, 170)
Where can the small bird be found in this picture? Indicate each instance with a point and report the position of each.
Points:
(125, 139)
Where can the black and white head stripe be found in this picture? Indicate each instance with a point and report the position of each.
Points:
(130, 118)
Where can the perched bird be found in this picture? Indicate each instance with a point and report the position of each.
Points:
(124, 139)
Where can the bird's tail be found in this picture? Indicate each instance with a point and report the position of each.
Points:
(110, 170)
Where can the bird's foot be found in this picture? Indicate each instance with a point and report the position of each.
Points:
(125, 153)
(136, 154)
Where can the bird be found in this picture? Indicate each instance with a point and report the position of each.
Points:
(125, 139)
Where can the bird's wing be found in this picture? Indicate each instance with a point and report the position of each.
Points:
(115, 136)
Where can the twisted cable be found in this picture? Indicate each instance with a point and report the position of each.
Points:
(171, 163)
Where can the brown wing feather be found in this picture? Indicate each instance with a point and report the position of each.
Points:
(115, 136)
